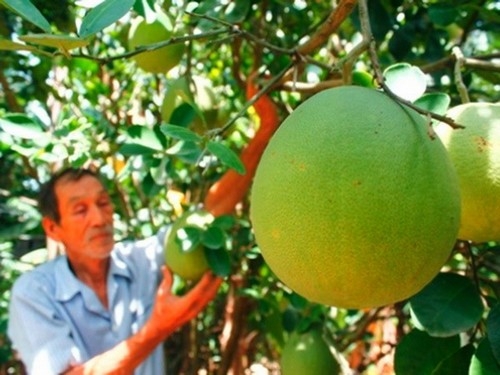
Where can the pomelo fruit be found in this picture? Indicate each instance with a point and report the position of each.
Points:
(184, 253)
(159, 60)
(197, 93)
(353, 203)
(308, 353)
(475, 152)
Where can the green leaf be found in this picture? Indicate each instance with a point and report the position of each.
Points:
(158, 171)
(226, 156)
(143, 136)
(493, 330)
(406, 81)
(418, 353)
(131, 149)
(237, 11)
(456, 364)
(434, 102)
(448, 305)
(443, 14)
(187, 151)
(183, 115)
(188, 238)
(219, 261)
(363, 78)
(142, 7)
(29, 12)
(61, 42)
(225, 222)
(22, 126)
(483, 362)
(213, 238)
(8, 45)
(179, 132)
(103, 15)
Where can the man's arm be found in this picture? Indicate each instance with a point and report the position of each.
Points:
(170, 312)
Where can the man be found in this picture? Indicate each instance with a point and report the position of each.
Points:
(102, 308)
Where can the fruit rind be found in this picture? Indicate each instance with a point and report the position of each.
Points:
(475, 152)
(308, 353)
(191, 264)
(353, 203)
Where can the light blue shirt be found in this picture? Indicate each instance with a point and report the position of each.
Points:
(56, 320)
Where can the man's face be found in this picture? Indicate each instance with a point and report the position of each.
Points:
(86, 212)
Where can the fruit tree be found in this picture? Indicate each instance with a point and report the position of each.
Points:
(372, 229)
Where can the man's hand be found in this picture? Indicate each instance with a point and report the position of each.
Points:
(171, 311)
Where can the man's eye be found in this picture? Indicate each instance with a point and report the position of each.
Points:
(79, 210)
(104, 202)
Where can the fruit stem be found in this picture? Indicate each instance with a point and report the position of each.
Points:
(372, 50)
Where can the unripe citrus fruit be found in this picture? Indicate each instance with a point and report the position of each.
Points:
(353, 203)
(308, 353)
(159, 60)
(475, 152)
(184, 253)
(199, 94)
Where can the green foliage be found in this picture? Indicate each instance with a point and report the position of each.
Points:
(71, 95)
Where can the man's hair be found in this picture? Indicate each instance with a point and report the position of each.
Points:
(47, 199)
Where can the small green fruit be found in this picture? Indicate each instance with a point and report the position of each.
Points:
(160, 60)
(308, 353)
(184, 253)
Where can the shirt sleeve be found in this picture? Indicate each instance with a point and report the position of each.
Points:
(42, 339)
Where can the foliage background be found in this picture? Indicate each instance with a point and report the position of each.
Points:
(62, 104)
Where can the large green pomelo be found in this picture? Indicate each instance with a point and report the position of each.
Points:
(475, 152)
(184, 258)
(160, 60)
(308, 353)
(353, 203)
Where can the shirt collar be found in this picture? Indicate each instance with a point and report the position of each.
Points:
(67, 284)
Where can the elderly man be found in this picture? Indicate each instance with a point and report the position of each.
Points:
(102, 308)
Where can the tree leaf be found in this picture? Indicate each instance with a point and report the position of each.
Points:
(142, 7)
(143, 136)
(103, 15)
(183, 115)
(225, 222)
(456, 364)
(8, 45)
(406, 81)
(237, 11)
(418, 353)
(483, 362)
(226, 156)
(443, 14)
(179, 132)
(435, 102)
(61, 42)
(131, 149)
(29, 12)
(188, 238)
(493, 330)
(158, 170)
(22, 126)
(213, 238)
(219, 261)
(448, 305)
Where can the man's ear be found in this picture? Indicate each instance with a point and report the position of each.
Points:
(51, 228)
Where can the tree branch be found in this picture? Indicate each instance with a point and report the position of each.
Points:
(367, 35)
(331, 24)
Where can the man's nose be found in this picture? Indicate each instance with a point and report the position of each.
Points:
(98, 216)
